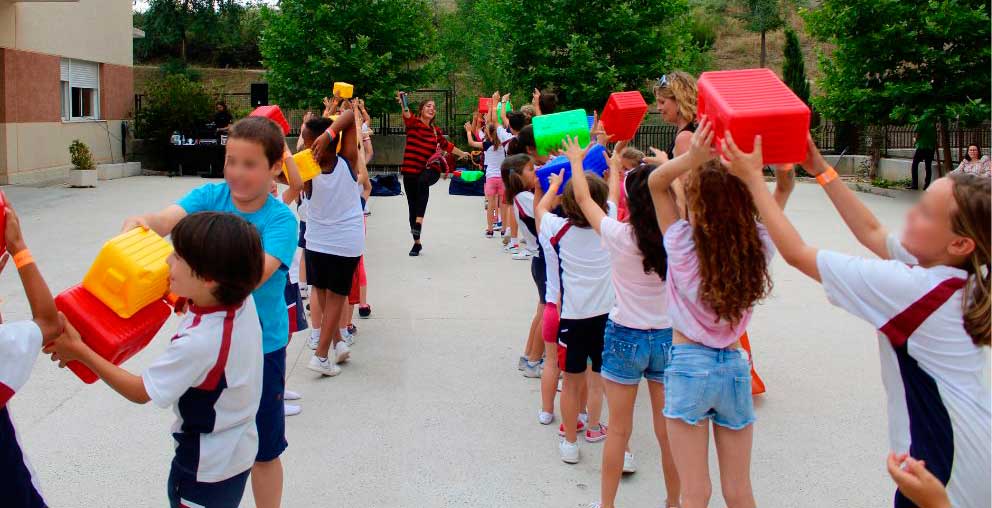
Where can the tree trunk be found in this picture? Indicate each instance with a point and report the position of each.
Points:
(945, 143)
(762, 49)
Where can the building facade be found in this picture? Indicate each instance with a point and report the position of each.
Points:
(65, 73)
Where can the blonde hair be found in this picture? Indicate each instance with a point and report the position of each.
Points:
(632, 154)
(681, 88)
(971, 219)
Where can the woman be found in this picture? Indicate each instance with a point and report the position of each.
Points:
(974, 162)
(222, 118)
(423, 139)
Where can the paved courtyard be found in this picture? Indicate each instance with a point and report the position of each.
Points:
(431, 411)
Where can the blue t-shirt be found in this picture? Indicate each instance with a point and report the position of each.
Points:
(277, 226)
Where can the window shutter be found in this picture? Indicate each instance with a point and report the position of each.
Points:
(84, 74)
(64, 69)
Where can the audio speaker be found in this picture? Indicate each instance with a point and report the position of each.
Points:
(259, 94)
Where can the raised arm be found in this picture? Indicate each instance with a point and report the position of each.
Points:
(785, 182)
(662, 179)
(747, 167)
(361, 164)
(43, 310)
(295, 181)
(593, 213)
(160, 222)
(470, 136)
(405, 108)
(856, 215)
(343, 127)
(535, 100)
(505, 100)
(549, 200)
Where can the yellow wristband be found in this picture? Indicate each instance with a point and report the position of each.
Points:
(23, 258)
(827, 176)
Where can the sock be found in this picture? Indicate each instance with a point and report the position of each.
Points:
(315, 333)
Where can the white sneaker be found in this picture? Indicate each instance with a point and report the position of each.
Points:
(342, 352)
(628, 463)
(521, 255)
(313, 342)
(291, 395)
(348, 338)
(545, 418)
(584, 417)
(291, 409)
(569, 451)
(325, 366)
(532, 370)
(521, 363)
(305, 292)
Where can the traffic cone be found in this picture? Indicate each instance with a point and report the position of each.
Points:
(757, 385)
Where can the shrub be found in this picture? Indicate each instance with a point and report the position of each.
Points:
(81, 156)
(703, 27)
(172, 103)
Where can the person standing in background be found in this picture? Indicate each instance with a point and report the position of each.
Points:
(926, 142)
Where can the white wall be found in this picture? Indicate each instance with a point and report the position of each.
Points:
(96, 30)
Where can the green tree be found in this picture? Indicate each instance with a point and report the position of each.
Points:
(221, 33)
(761, 16)
(172, 103)
(793, 67)
(894, 61)
(168, 25)
(379, 46)
(583, 49)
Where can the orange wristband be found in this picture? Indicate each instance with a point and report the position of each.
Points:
(827, 176)
(23, 258)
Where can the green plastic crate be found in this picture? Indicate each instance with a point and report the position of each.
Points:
(550, 130)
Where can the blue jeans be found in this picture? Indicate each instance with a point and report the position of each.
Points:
(702, 382)
(629, 354)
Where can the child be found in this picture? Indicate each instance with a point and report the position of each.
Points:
(718, 260)
(211, 372)
(254, 157)
(579, 268)
(20, 342)
(929, 298)
(335, 232)
(514, 121)
(495, 151)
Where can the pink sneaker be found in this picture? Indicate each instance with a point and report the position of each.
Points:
(595, 436)
(580, 428)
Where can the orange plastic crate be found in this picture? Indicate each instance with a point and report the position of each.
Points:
(750, 102)
(623, 115)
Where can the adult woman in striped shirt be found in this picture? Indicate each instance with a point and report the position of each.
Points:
(423, 138)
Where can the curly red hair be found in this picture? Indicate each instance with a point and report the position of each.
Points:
(732, 262)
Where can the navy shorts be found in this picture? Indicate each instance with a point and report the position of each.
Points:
(580, 344)
(271, 417)
(186, 492)
(302, 242)
(540, 274)
(16, 483)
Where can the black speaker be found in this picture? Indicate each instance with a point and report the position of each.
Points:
(259, 94)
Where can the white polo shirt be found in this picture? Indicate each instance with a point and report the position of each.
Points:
(578, 268)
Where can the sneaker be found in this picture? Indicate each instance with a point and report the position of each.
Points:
(290, 395)
(325, 366)
(521, 255)
(313, 342)
(305, 293)
(581, 427)
(364, 311)
(347, 338)
(342, 352)
(506, 239)
(490, 234)
(291, 409)
(352, 329)
(569, 451)
(498, 225)
(532, 370)
(584, 417)
(545, 418)
(595, 436)
(628, 463)
(522, 363)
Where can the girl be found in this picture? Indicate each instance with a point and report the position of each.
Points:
(717, 271)
(579, 268)
(495, 151)
(929, 298)
(521, 182)
(639, 333)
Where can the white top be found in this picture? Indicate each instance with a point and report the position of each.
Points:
(641, 300)
(211, 375)
(304, 209)
(335, 222)
(524, 205)
(944, 414)
(494, 154)
(20, 342)
(578, 268)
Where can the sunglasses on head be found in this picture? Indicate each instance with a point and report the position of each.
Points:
(662, 81)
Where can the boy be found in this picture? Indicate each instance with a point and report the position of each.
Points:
(19, 345)
(211, 373)
(254, 155)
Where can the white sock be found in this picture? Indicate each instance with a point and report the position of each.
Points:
(315, 333)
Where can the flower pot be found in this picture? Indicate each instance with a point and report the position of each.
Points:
(82, 177)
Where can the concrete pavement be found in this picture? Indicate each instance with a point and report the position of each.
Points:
(431, 411)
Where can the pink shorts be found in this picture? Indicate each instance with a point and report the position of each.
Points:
(549, 324)
(494, 187)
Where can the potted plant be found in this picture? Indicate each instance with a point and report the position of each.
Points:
(83, 172)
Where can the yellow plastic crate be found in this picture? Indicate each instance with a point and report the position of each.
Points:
(307, 165)
(130, 271)
(344, 90)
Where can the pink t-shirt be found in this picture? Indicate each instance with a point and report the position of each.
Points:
(689, 314)
(641, 302)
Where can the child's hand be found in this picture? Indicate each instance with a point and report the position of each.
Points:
(12, 234)
(701, 147)
(916, 483)
(535, 97)
(133, 223)
(66, 347)
(468, 127)
(506, 98)
(657, 159)
(814, 163)
(746, 166)
(399, 97)
(495, 97)
(573, 151)
(554, 181)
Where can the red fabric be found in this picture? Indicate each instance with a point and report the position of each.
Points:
(213, 377)
(5, 394)
(357, 281)
(549, 323)
(421, 143)
(900, 327)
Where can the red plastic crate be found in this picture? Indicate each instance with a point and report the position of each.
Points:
(275, 114)
(750, 102)
(623, 115)
(485, 104)
(109, 335)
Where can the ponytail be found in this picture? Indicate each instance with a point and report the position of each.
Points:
(512, 172)
(971, 219)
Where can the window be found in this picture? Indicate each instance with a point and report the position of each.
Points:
(80, 89)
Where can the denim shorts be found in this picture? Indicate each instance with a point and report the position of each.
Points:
(702, 382)
(629, 354)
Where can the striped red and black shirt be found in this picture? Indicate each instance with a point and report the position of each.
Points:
(421, 143)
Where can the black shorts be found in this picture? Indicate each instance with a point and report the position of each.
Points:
(185, 491)
(302, 242)
(270, 420)
(539, 271)
(330, 272)
(580, 343)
